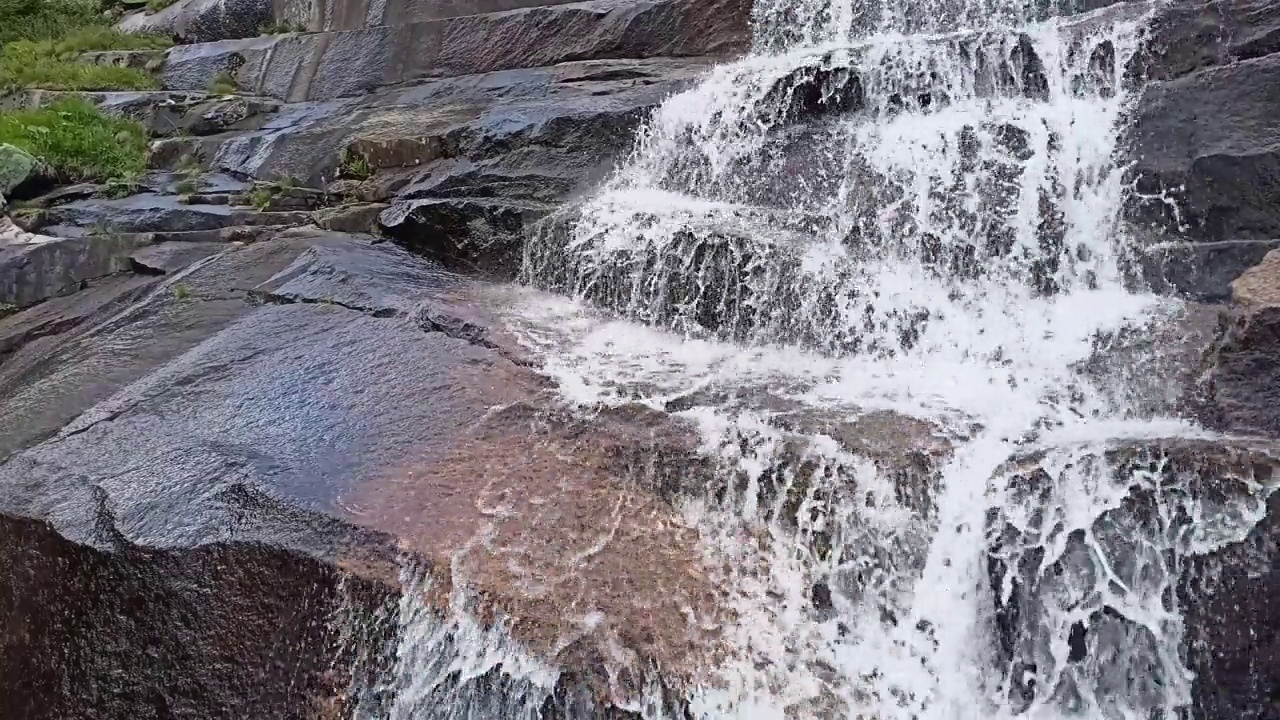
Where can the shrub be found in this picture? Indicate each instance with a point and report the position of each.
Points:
(77, 141)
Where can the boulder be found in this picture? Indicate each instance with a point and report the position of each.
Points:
(16, 166)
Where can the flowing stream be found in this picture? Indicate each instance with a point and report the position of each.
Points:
(869, 262)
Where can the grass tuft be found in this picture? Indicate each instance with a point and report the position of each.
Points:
(353, 165)
(78, 142)
(155, 6)
(223, 84)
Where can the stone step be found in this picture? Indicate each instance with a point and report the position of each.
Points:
(323, 66)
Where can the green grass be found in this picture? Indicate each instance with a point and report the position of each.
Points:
(282, 27)
(155, 6)
(46, 19)
(78, 142)
(51, 64)
(222, 84)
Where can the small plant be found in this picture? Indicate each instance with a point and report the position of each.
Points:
(7, 309)
(282, 27)
(155, 6)
(288, 182)
(181, 292)
(187, 186)
(77, 141)
(353, 165)
(261, 196)
(123, 186)
(223, 84)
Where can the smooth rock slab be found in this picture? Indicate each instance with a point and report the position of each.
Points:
(324, 66)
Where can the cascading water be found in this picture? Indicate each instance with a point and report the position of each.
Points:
(868, 262)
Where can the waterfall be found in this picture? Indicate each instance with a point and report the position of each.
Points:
(869, 262)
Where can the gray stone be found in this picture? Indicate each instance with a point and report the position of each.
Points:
(16, 166)
(198, 21)
(32, 272)
(331, 65)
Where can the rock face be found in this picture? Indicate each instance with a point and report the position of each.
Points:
(1238, 391)
(246, 425)
(1203, 151)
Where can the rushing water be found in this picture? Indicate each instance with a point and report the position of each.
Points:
(903, 215)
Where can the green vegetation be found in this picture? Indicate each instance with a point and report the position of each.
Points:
(46, 19)
(181, 291)
(43, 38)
(77, 141)
(282, 27)
(222, 84)
(353, 165)
(187, 186)
(155, 6)
(261, 196)
(6, 309)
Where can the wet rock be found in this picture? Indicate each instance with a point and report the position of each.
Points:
(95, 298)
(153, 212)
(352, 218)
(168, 257)
(1239, 389)
(318, 397)
(1200, 271)
(1205, 164)
(1182, 509)
(476, 234)
(1228, 605)
(332, 65)
(1185, 37)
(200, 21)
(35, 271)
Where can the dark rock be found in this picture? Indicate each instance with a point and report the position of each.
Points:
(1193, 35)
(1200, 271)
(1233, 624)
(1139, 548)
(152, 212)
(230, 627)
(352, 218)
(168, 257)
(96, 298)
(30, 273)
(332, 65)
(476, 234)
(1206, 167)
(200, 21)
(1240, 387)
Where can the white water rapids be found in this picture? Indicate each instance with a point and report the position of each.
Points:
(908, 211)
